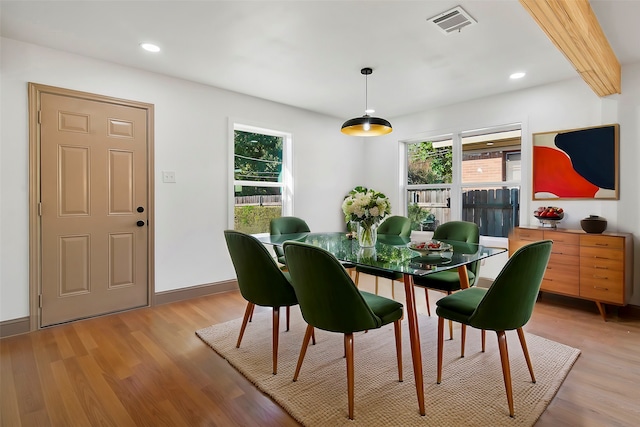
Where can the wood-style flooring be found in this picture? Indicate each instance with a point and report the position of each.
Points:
(148, 368)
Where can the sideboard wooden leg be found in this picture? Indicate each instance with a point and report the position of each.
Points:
(602, 310)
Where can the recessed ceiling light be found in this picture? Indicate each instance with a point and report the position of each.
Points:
(518, 75)
(150, 47)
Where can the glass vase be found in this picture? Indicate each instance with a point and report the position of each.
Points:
(367, 235)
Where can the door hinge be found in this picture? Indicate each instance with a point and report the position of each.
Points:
(40, 301)
(39, 117)
(39, 208)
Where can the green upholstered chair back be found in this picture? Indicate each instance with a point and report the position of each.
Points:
(327, 296)
(259, 278)
(509, 301)
(461, 231)
(396, 225)
(286, 225)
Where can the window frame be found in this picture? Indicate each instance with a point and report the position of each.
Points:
(286, 185)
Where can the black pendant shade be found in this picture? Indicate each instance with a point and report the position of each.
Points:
(366, 125)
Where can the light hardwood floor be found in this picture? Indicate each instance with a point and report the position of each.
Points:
(147, 368)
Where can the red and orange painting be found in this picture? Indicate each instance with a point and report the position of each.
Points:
(576, 164)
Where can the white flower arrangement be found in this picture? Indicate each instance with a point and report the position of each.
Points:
(365, 206)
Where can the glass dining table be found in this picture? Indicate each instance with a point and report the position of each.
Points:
(392, 253)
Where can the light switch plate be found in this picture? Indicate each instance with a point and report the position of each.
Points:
(168, 176)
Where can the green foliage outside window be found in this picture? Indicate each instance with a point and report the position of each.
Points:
(257, 157)
(417, 215)
(429, 164)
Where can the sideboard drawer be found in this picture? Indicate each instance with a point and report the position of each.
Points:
(560, 249)
(593, 253)
(600, 241)
(568, 265)
(561, 237)
(560, 287)
(606, 289)
(528, 234)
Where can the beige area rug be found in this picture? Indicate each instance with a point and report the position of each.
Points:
(471, 393)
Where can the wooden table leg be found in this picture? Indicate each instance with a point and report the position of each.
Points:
(464, 277)
(414, 339)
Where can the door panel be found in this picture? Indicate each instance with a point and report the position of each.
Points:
(93, 170)
(121, 196)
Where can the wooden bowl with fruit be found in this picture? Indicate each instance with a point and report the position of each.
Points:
(549, 215)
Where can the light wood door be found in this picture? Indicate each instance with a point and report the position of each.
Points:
(94, 195)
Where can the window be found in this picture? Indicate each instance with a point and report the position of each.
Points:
(473, 176)
(429, 179)
(262, 187)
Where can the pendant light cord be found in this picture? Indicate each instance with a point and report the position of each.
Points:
(366, 93)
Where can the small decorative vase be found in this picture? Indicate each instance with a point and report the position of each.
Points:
(367, 235)
(367, 255)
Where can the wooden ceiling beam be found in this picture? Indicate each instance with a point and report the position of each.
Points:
(574, 29)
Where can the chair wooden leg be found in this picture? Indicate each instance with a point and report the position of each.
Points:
(440, 347)
(525, 350)
(357, 278)
(288, 313)
(275, 334)
(303, 350)
(506, 371)
(247, 314)
(376, 285)
(450, 323)
(463, 339)
(313, 336)
(426, 297)
(398, 333)
(393, 289)
(348, 348)
(484, 340)
(251, 314)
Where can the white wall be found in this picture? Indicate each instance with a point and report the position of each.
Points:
(629, 206)
(565, 105)
(191, 128)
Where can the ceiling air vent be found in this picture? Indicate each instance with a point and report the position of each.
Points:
(452, 20)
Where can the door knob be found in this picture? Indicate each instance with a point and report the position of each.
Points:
(140, 223)
(140, 209)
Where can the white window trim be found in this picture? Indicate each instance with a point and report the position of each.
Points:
(287, 166)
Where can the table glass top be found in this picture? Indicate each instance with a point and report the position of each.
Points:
(391, 253)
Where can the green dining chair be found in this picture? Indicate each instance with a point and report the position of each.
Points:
(286, 225)
(448, 281)
(392, 226)
(505, 306)
(261, 282)
(329, 300)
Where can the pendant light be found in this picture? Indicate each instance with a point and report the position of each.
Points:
(366, 125)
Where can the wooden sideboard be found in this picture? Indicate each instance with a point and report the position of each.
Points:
(596, 267)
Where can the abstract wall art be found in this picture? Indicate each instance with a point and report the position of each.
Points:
(576, 163)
